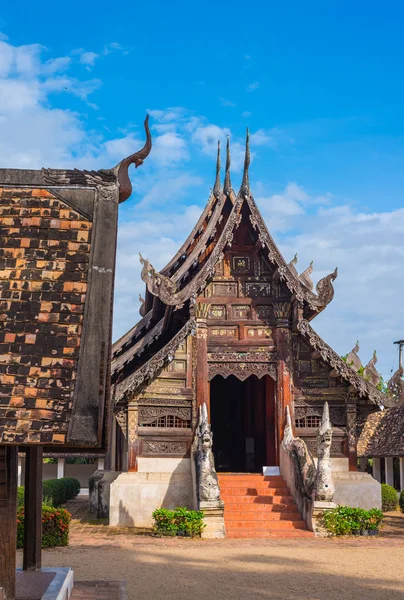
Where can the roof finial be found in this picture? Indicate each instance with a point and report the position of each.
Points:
(227, 181)
(245, 184)
(216, 187)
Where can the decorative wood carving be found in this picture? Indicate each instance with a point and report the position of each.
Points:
(147, 414)
(240, 311)
(258, 289)
(336, 448)
(324, 288)
(337, 413)
(122, 420)
(157, 447)
(166, 401)
(154, 364)
(217, 311)
(364, 388)
(223, 332)
(241, 370)
(241, 264)
(241, 357)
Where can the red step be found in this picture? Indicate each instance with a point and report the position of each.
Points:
(259, 507)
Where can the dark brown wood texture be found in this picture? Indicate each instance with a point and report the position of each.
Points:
(33, 509)
(8, 521)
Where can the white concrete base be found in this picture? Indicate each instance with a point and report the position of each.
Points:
(271, 471)
(213, 518)
(357, 489)
(338, 464)
(159, 483)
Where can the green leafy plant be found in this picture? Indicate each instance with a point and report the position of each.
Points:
(373, 518)
(181, 521)
(389, 497)
(55, 491)
(401, 501)
(55, 527)
(345, 520)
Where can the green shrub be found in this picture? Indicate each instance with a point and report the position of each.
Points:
(20, 496)
(345, 520)
(55, 491)
(55, 527)
(401, 501)
(389, 497)
(180, 521)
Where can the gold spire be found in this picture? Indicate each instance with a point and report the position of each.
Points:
(227, 181)
(216, 187)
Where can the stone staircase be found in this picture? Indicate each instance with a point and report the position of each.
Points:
(259, 507)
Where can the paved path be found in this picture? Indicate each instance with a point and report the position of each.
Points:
(184, 569)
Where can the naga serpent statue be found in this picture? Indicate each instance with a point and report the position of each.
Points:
(316, 483)
(207, 483)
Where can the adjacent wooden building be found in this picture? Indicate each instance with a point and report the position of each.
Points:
(57, 263)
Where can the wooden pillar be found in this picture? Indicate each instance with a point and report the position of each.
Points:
(351, 429)
(202, 376)
(271, 434)
(33, 509)
(284, 398)
(8, 520)
(133, 438)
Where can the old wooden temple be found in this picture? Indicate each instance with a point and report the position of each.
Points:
(228, 323)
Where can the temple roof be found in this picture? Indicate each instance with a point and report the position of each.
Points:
(172, 292)
(383, 434)
(186, 275)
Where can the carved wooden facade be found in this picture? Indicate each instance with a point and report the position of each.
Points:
(229, 305)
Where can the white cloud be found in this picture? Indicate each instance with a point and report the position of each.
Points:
(251, 87)
(207, 136)
(227, 103)
(262, 137)
(246, 114)
(89, 58)
(33, 134)
(169, 148)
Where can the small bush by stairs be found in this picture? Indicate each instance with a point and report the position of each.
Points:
(259, 507)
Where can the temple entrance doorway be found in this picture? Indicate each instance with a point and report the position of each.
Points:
(243, 420)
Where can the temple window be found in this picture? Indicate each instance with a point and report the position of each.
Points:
(311, 421)
(170, 421)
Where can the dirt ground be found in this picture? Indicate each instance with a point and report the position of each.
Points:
(306, 569)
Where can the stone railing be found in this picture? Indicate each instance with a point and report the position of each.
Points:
(311, 510)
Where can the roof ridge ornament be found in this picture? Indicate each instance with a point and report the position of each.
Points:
(292, 267)
(216, 187)
(305, 277)
(325, 289)
(370, 372)
(125, 185)
(105, 180)
(245, 184)
(353, 359)
(227, 180)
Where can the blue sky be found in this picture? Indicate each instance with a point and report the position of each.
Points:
(319, 84)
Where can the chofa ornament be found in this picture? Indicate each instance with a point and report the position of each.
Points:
(105, 180)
